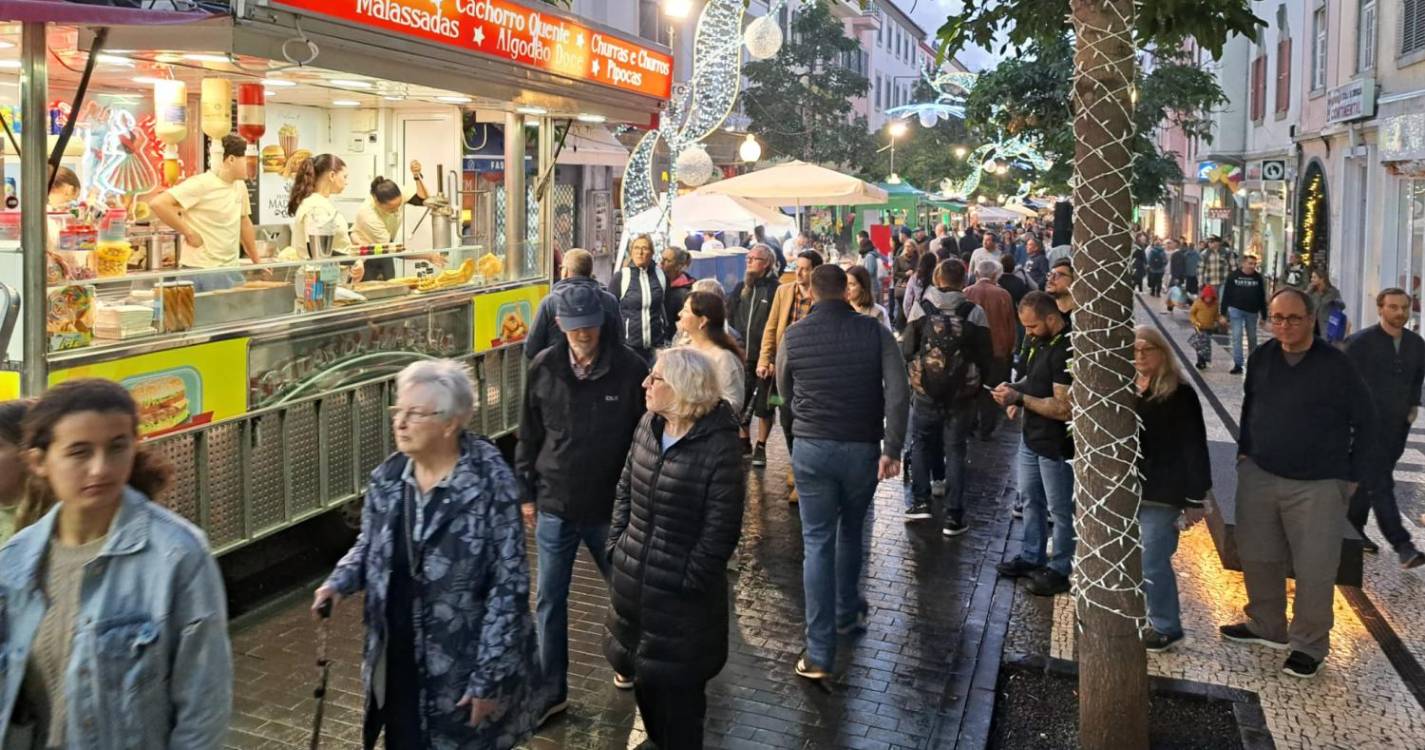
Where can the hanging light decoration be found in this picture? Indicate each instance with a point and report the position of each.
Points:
(694, 166)
(750, 150)
(929, 118)
(763, 38)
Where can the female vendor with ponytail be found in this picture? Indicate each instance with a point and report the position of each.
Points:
(313, 211)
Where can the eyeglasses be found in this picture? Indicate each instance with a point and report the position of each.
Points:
(1287, 320)
(1144, 349)
(413, 415)
(654, 377)
(1060, 275)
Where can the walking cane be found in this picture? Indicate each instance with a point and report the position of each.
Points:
(324, 612)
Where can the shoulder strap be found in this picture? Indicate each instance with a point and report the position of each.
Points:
(623, 282)
(965, 309)
(928, 307)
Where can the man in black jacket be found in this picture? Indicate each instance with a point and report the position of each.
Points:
(577, 270)
(582, 401)
(747, 309)
(1306, 439)
(1244, 299)
(843, 375)
(1391, 359)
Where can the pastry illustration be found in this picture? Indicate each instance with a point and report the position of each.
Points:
(295, 161)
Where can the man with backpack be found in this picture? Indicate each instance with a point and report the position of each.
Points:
(948, 347)
(1046, 481)
(1157, 265)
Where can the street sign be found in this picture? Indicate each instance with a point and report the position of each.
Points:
(1274, 169)
(1220, 213)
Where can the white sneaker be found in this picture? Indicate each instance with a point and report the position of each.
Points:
(937, 488)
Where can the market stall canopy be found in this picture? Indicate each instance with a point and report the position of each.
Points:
(997, 215)
(1022, 210)
(799, 183)
(697, 212)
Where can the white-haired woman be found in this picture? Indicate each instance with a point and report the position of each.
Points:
(450, 647)
(677, 517)
(1176, 477)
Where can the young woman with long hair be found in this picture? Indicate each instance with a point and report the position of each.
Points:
(703, 319)
(12, 465)
(113, 602)
(313, 212)
(858, 293)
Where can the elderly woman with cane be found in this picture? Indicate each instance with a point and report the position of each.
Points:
(450, 645)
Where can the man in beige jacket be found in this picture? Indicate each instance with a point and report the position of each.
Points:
(791, 303)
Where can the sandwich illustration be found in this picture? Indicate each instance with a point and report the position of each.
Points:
(273, 160)
(163, 403)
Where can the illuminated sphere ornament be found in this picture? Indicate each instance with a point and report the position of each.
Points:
(750, 150)
(695, 167)
(928, 118)
(763, 37)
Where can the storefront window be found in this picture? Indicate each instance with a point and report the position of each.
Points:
(1412, 242)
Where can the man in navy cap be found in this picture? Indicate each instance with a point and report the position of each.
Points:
(582, 401)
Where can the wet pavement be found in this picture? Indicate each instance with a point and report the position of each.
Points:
(915, 679)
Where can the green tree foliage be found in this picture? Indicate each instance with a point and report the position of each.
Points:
(1029, 95)
(799, 102)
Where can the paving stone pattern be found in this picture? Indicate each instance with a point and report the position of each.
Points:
(911, 681)
(1357, 701)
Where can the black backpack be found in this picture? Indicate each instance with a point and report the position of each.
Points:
(940, 371)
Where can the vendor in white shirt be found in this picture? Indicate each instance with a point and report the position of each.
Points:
(211, 212)
(378, 221)
(313, 211)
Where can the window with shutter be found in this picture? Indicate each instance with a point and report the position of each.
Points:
(1318, 50)
(1259, 87)
(1366, 36)
(1283, 75)
(1412, 26)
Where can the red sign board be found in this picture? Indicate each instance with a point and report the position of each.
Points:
(507, 30)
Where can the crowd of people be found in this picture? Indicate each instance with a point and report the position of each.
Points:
(647, 403)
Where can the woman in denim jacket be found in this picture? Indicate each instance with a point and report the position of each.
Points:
(450, 650)
(137, 656)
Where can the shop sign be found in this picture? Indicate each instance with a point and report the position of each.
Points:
(1254, 171)
(177, 388)
(1220, 213)
(503, 318)
(1353, 101)
(509, 31)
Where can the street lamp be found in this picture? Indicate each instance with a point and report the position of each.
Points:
(750, 150)
(895, 130)
(677, 9)
(960, 152)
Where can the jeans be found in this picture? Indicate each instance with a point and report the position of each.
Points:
(1159, 527)
(933, 457)
(1377, 489)
(1240, 319)
(836, 480)
(1046, 486)
(1155, 283)
(558, 541)
(933, 428)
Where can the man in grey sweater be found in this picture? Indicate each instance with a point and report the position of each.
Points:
(843, 376)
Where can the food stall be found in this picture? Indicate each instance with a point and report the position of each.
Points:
(267, 383)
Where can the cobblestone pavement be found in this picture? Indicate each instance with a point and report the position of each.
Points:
(911, 681)
(1358, 701)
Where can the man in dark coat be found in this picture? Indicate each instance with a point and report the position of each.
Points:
(577, 270)
(1391, 359)
(582, 401)
(748, 307)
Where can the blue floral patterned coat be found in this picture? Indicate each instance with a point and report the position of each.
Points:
(475, 636)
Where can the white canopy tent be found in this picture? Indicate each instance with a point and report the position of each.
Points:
(797, 183)
(713, 213)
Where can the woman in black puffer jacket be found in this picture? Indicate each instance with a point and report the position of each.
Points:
(677, 518)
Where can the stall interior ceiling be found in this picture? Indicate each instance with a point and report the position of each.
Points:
(134, 71)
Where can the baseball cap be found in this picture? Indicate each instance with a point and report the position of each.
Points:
(578, 306)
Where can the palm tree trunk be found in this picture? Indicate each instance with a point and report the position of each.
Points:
(1113, 681)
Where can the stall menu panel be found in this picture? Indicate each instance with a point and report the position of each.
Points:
(177, 388)
(510, 31)
(503, 318)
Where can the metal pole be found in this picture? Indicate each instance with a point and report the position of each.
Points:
(516, 203)
(546, 198)
(33, 202)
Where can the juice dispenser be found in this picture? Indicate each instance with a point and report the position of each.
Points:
(251, 121)
(170, 114)
(217, 102)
